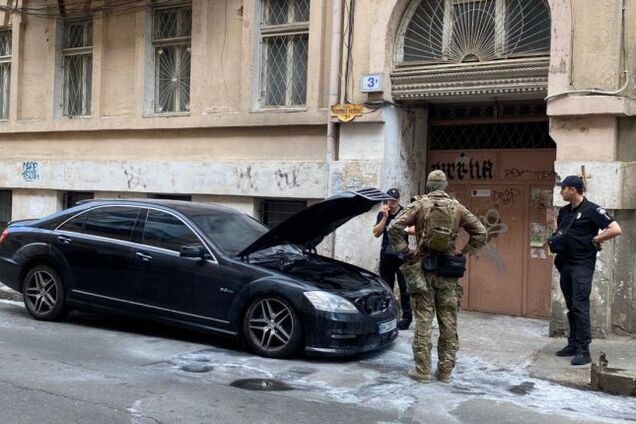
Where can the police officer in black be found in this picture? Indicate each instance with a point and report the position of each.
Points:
(580, 221)
(389, 261)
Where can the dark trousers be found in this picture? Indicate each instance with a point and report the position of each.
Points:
(389, 269)
(576, 285)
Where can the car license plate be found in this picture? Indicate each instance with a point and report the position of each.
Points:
(385, 327)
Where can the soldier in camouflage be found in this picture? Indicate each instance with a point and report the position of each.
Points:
(431, 293)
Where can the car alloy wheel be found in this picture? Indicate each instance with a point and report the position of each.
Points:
(43, 293)
(271, 328)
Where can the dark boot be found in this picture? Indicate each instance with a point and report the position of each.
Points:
(569, 350)
(405, 322)
(581, 358)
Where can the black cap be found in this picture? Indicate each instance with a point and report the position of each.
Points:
(394, 193)
(572, 181)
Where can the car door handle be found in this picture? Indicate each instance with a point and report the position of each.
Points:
(64, 239)
(143, 256)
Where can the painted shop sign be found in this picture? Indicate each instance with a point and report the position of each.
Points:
(466, 168)
(347, 112)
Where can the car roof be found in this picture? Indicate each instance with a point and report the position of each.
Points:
(185, 207)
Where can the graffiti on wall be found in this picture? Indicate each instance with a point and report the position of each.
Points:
(537, 175)
(465, 168)
(30, 171)
(508, 196)
(494, 227)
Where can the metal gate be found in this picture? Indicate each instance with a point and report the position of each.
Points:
(503, 172)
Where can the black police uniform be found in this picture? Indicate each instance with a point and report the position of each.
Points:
(390, 266)
(576, 266)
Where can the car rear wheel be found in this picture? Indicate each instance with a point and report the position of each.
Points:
(43, 293)
(271, 328)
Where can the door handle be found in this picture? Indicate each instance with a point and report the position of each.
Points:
(64, 239)
(143, 256)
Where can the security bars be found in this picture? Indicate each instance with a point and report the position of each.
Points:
(77, 53)
(5, 72)
(456, 31)
(172, 29)
(284, 41)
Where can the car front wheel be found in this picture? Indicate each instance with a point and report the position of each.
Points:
(43, 293)
(271, 328)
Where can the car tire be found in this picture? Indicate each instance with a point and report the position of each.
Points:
(43, 293)
(271, 328)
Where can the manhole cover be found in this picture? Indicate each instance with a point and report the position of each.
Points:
(523, 388)
(261, 384)
(196, 367)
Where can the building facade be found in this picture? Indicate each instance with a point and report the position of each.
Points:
(228, 101)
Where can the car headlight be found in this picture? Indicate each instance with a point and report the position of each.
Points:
(329, 302)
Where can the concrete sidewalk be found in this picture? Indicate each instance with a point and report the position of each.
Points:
(517, 343)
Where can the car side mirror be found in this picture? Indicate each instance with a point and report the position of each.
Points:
(193, 251)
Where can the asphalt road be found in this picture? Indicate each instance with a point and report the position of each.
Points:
(94, 368)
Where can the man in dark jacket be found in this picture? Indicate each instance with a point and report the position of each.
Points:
(389, 261)
(580, 221)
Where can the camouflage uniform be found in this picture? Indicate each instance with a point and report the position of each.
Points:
(431, 293)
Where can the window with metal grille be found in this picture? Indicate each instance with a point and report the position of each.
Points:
(77, 53)
(5, 208)
(273, 212)
(5, 72)
(455, 31)
(171, 38)
(284, 43)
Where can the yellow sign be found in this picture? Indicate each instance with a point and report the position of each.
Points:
(347, 112)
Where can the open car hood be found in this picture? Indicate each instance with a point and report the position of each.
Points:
(309, 227)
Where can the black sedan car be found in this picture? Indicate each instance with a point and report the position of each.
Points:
(207, 267)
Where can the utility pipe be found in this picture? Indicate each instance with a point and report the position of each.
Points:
(334, 78)
(334, 91)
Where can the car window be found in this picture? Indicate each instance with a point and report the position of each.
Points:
(230, 231)
(75, 225)
(167, 231)
(113, 222)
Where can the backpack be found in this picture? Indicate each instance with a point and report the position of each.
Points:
(440, 226)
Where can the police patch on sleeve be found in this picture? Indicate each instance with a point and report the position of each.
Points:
(603, 212)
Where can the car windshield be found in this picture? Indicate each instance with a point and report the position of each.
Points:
(230, 231)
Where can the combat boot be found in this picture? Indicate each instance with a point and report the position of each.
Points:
(567, 351)
(420, 378)
(405, 322)
(442, 376)
(581, 358)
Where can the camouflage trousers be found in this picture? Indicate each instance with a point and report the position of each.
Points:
(442, 297)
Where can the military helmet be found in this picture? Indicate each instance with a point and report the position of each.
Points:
(436, 176)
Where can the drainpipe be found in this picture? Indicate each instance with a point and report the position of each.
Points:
(334, 80)
(334, 94)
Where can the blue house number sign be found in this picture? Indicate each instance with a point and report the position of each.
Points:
(371, 83)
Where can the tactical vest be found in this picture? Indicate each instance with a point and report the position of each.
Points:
(441, 223)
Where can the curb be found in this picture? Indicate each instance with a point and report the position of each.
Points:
(7, 294)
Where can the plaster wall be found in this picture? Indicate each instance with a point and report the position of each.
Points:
(36, 70)
(300, 143)
(585, 137)
(225, 72)
(117, 94)
(28, 204)
(596, 44)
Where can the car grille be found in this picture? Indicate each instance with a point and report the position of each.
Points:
(374, 303)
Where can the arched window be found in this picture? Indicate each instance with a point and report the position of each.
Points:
(456, 31)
